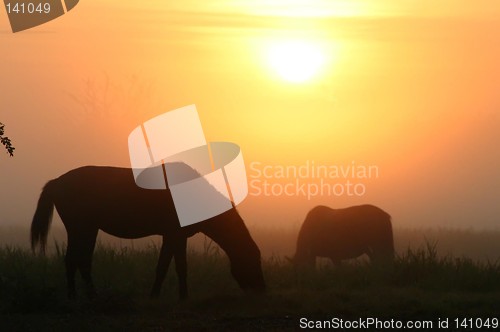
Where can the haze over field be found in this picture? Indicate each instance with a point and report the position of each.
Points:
(412, 89)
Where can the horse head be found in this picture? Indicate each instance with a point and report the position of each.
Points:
(230, 233)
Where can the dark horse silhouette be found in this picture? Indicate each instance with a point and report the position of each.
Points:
(345, 233)
(106, 198)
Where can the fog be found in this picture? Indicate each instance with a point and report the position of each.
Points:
(416, 97)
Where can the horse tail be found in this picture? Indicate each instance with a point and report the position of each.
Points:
(42, 218)
(387, 238)
(390, 238)
(303, 254)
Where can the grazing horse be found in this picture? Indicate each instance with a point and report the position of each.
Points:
(345, 233)
(93, 198)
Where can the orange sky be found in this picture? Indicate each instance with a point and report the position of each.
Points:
(412, 87)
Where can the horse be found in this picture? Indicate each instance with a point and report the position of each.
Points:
(93, 198)
(347, 233)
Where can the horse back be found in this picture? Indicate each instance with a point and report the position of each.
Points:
(107, 198)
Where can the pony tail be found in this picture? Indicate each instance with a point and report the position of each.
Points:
(387, 237)
(42, 218)
(393, 250)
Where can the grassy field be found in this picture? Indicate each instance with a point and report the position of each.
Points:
(421, 284)
(481, 245)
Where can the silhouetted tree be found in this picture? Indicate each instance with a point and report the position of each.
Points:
(6, 141)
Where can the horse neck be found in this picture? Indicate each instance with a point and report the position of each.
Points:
(231, 234)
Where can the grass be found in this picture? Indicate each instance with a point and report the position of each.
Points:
(420, 284)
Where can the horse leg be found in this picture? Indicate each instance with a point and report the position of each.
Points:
(181, 266)
(87, 246)
(166, 253)
(70, 262)
(79, 256)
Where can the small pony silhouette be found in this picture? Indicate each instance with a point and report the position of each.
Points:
(344, 234)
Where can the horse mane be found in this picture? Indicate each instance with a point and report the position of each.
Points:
(178, 172)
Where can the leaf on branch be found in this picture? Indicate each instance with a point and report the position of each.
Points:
(5, 141)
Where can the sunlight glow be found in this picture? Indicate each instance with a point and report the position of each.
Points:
(295, 61)
(308, 8)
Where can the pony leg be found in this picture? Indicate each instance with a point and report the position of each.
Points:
(166, 253)
(336, 262)
(380, 255)
(181, 267)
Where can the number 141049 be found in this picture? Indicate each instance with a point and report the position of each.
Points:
(27, 8)
(477, 323)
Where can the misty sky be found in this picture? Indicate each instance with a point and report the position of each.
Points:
(412, 87)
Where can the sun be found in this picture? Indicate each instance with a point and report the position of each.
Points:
(295, 61)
